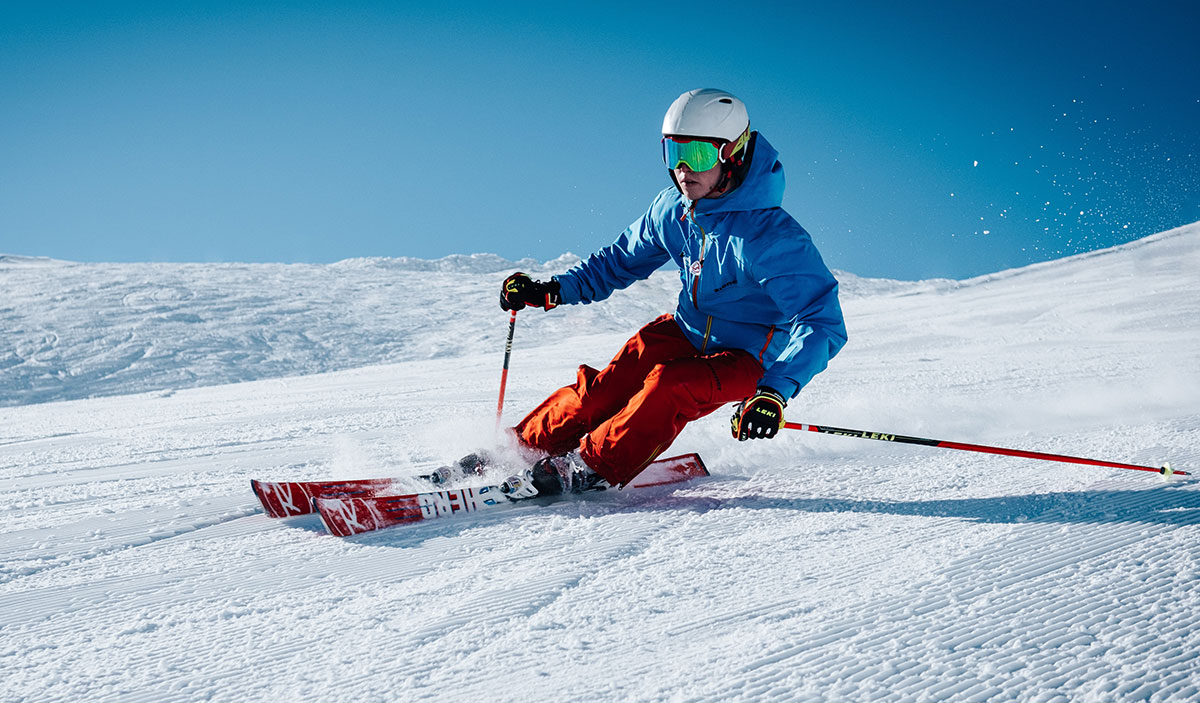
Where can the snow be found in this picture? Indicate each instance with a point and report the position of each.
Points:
(139, 399)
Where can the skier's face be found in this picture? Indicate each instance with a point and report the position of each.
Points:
(697, 184)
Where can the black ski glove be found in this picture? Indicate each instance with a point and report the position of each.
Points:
(760, 415)
(520, 290)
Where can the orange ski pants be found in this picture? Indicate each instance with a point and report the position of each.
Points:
(623, 416)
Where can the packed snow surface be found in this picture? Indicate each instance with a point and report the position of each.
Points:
(140, 399)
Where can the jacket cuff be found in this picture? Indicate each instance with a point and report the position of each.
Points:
(784, 386)
(568, 289)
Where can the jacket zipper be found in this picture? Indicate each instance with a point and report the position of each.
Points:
(770, 334)
(691, 214)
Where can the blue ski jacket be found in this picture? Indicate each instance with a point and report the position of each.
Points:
(752, 278)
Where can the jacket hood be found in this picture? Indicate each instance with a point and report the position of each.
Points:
(762, 188)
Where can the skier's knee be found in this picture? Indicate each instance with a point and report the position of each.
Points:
(674, 378)
(659, 375)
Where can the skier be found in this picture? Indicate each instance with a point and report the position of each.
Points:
(758, 313)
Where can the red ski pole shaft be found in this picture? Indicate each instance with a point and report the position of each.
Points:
(1165, 470)
(512, 326)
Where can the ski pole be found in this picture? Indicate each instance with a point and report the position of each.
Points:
(1166, 471)
(512, 326)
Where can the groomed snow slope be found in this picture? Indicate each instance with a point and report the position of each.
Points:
(136, 566)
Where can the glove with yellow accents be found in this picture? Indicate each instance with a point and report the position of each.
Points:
(520, 290)
(760, 415)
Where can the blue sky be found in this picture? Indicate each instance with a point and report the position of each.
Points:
(938, 139)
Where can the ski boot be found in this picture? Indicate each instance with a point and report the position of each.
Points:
(472, 464)
(553, 476)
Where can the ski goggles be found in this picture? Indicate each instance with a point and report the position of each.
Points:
(697, 154)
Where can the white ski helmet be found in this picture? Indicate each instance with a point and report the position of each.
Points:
(710, 115)
(707, 113)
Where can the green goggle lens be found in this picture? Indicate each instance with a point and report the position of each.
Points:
(698, 155)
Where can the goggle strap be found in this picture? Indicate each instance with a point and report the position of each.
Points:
(737, 145)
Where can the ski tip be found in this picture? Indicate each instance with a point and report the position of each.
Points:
(334, 522)
(258, 493)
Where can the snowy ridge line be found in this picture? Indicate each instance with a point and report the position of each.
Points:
(21, 260)
(93, 330)
(1159, 238)
(1062, 625)
(455, 263)
(90, 330)
(461, 263)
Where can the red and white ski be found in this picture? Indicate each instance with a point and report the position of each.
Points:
(347, 515)
(291, 498)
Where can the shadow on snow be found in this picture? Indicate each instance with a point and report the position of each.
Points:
(1163, 505)
(1174, 504)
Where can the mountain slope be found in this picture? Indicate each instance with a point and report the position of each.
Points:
(136, 566)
